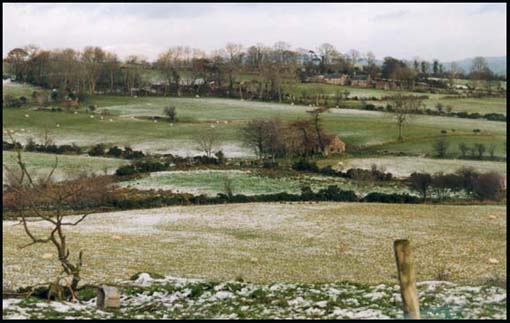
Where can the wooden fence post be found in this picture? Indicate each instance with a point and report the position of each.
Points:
(407, 279)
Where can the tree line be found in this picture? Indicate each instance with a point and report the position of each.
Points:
(180, 69)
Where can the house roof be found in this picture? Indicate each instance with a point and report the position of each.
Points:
(335, 75)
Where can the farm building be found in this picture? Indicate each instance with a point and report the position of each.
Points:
(334, 145)
(422, 86)
(364, 81)
(384, 84)
(336, 79)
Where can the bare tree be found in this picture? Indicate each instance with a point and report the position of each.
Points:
(480, 148)
(441, 147)
(403, 107)
(227, 186)
(355, 56)
(492, 150)
(46, 200)
(318, 126)
(327, 52)
(171, 113)
(169, 63)
(253, 135)
(420, 182)
(207, 140)
(234, 52)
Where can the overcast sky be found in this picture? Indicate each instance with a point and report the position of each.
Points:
(444, 31)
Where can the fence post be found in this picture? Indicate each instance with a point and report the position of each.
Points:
(407, 279)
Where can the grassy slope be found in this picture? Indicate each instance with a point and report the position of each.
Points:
(270, 242)
(480, 105)
(355, 127)
(251, 183)
(404, 166)
(17, 90)
(42, 164)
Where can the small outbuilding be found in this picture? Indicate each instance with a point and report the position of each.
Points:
(334, 145)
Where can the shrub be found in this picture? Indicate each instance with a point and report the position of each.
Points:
(114, 151)
(10, 146)
(480, 148)
(220, 156)
(54, 95)
(390, 198)
(171, 113)
(150, 166)
(268, 163)
(368, 175)
(132, 154)
(444, 183)
(97, 150)
(31, 145)
(467, 176)
(329, 171)
(305, 165)
(73, 149)
(488, 186)
(333, 193)
(420, 182)
(440, 147)
(495, 117)
(12, 102)
(463, 149)
(126, 170)
(307, 193)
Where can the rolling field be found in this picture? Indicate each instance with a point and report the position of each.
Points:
(356, 127)
(404, 166)
(471, 105)
(211, 182)
(17, 89)
(273, 242)
(41, 164)
(331, 90)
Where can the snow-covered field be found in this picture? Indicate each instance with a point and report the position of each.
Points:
(69, 166)
(404, 166)
(268, 242)
(176, 298)
(212, 182)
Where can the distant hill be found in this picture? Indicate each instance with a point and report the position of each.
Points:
(496, 64)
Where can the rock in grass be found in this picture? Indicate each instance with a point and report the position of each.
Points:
(152, 275)
(493, 261)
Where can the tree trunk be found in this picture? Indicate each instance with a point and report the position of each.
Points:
(111, 82)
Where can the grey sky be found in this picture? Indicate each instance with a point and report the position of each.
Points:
(444, 31)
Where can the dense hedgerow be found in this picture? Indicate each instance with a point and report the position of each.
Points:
(353, 173)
